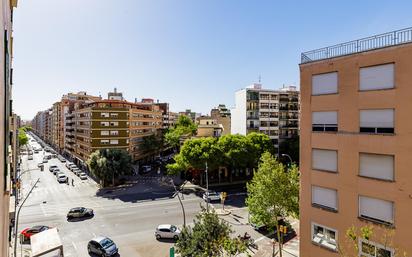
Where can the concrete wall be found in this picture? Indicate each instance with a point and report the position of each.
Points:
(349, 142)
(238, 120)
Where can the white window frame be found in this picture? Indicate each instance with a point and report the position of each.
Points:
(324, 240)
(318, 77)
(104, 141)
(104, 114)
(370, 174)
(376, 245)
(104, 123)
(104, 132)
(114, 123)
(114, 141)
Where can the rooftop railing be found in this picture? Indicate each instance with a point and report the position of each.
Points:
(396, 37)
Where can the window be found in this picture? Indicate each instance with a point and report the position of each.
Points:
(114, 132)
(377, 121)
(325, 197)
(114, 114)
(114, 142)
(377, 77)
(104, 133)
(372, 249)
(104, 123)
(114, 123)
(376, 166)
(380, 211)
(104, 142)
(324, 236)
(325, 83)
(325, 160)
(104, 114)
(325, 121)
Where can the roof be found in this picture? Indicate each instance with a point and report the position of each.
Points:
(45, 242)
(99, 238)
(164, 226)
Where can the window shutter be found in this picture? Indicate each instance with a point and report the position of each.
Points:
(325, 160)
(377, 77)
(325, 117)
(325, 197)
(376, 166)
(376, 209)
(383, 118)
(325, 83)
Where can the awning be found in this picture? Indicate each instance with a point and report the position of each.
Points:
(46, 242)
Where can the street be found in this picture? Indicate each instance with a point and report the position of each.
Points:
(128, 214)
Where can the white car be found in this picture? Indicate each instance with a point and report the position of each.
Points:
(82, 176)
(72, 167)
(211, 196)
(76, 171)
(68, 164)
(167, 231)
(62, 178)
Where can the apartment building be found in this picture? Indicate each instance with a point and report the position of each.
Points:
(222, 116)
(355, 145)
(272, 112)
(208, 127)
(56, 125)
(6, 116)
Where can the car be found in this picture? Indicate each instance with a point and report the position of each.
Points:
(30, 157)
(62, 178)
(72, 167)
(45, 160)
(55, 170)
(28, 232)
(80, 212)
(82, 176)
(76, 171)
(61, 158)
(211, 196)
(58, 173)
(36, 151)
(145, 169)
(40, 164)
(52, 167)
(102, 246)
(167, 231)
(68, 164)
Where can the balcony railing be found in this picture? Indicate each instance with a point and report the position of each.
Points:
(397, 37)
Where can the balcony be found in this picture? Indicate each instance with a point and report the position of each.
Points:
(393, 38)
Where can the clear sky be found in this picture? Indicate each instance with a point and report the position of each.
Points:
(191, 53)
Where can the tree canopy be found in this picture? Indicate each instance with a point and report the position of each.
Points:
(23, 139)
(109, 164)
(184, 127)
(210, 236)
(235, 151)
(273, 192)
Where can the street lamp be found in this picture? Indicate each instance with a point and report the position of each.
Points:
(183, 209)
(287, 155)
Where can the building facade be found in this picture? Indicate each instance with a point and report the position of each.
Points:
(222, 116)
(272, 112)
(208, 127)
(355, 145)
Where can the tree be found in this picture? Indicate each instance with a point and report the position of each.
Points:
(273, 194)
(23, 139)
(366, 234)
(210, 236)
(110, 164)
(151, 144)
(184, 127)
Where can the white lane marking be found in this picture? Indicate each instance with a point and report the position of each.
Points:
(94, 235)
(74, 245)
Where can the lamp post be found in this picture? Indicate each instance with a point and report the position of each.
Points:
(181, 203)
(287, 155)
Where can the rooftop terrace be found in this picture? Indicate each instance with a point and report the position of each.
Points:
(393, 38)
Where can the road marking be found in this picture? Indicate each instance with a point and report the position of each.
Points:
(74, 245)
(94, 235)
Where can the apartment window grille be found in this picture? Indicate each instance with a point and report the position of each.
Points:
(104, 142)
(380, 121)
(326, 83)
(378, 166)
(114, 114)
(104, 133)
(377, 77)
(371, 249)
(114, 123)
(324, 236)
(114, 133)
(325, 198)
(376, 210)
(114, 142)
(325, 121)
(104, 123)
(325, 160)
(105, 114)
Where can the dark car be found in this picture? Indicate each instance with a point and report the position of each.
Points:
(28, 232)
(80, 212)
(102, 246)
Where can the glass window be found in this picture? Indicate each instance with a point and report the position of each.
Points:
(372, 249)
(324, 236)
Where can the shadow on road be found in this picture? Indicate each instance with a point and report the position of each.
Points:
(80, 219)
(166, 240)
(95, 255)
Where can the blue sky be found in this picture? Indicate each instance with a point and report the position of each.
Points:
(191, 53)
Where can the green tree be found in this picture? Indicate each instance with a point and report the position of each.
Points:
(273, 194)
(23, 139)
(110, 164)
(184, 127)
(152, 144)
(210, 236)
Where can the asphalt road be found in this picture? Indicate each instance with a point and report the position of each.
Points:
(129, 223)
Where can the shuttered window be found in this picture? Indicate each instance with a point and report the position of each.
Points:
(377, 77)
(325, 83)
(376, 166)
(377, 210)
(326, 160)
(325, 121)
(325, 197)
(377, 121)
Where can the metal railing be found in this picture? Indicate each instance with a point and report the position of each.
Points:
(396, 37)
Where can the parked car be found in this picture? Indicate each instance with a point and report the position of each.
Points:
(211, 196)
(40, 164)
(30, 157)
(52, 167)
(102, 246)
(36, 151)
(45, 160)
(145, 169)
(167, 231)
(61, 158)
(62, 178)
(68, 164)
(76, 171)
(55, 170)
(72, 167)
(79, 212)
(82, 176)
(28, 232)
